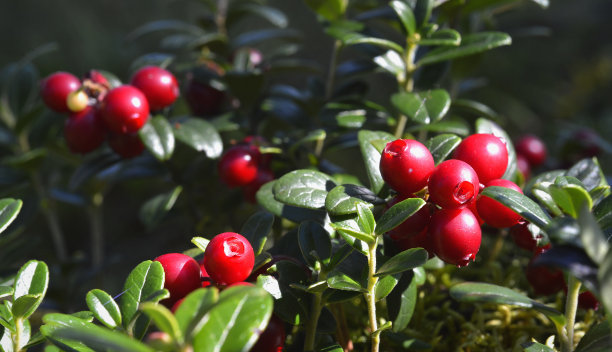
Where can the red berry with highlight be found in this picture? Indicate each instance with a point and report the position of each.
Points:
(532, 148)
(405, 165)
(55, 89)
(229, 258)
(453, 184)
(83, 131)
(493, 212)
(456, 235)
(126, 145)
(523, 237)
(182, 275)
(486, 154)
(250, 190)
(125, 109)
(272, 339)
(158, 85)
(239, 166)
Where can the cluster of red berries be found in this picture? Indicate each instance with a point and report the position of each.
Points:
(99, 112)
(228, 260)
(449, 225)
(243, 165)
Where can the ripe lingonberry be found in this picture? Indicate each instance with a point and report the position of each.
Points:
(250, 190)
(493, 212)
(55, 88)
(272, 339)
(405, 165)
(523, 166)
(158, 85)
(125, 109)
(415, 240)
(453, 184)
(126, 145)
(587, 300)
(84, 131)
(523, 237)
(532, 148)
(182, 275)
(229, 258)
(456, 235)
(203, 98)
(239, 165)
(486, 154)
(206, 280)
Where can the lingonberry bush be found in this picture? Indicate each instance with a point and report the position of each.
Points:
(328, 219)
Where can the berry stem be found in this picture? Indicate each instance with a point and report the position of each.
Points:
(370, 296)
(571, 306)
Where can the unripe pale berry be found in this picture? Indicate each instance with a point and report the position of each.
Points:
(405, 165)
(77, 101)
(486, 154)
(55, 88)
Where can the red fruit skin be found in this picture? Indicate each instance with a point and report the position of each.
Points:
(182, 276)
(545, 281)
(203, 99)
(229, 258)
(414, 224)
(250, 190)
(55, 89)
(83, 131)
(126, 145)
(405, 165)
(486, 154)
(523, 237)
(416, 240)
(493, 212)
(456, 235)
(472, 206)
(158, 85)
(239, 166)
(523, 166)
(587, 300)
(272, 339)
(177, 304)
(532, 148)
(453, 184)
(206, 280)
(125, 109)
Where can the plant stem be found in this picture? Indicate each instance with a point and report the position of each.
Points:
(407, 83)
(571, 305)
(221, 16)
(311, 328)
(96, 225)
(331, 74)
(17, 335)
(371, 295)
(48, 209)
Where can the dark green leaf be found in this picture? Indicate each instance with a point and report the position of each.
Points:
(9, 209)
(191, 312)
(371, 156)
(384, 286)
(597, 338)
(91, 167)
(397, 214)
(303, 188)
(422, 11)
(476, 108)
(487, 126)
(104, 308)
(157, 137)
(356, 38)
(571, 259)
(402, 301)
(257, 228)
(406, 16)
(570, 197)
(448, 125)
(406, 260)
(520, 203)
(603, 213)
(535, 347)
(470, 44)
(29, 160)
(271, 14)
(243, 84)
(588, 172)
(5, 291)
(445, 36)
(156, 208)
(25, 305)
(100, 339)
(423, 107)
(265, 198)
(343, 199)
(605, 281)
(341, 281)
(391, 62)
(162, 318)
(543, 194)
(365, 219)
(63, 345)
(333, 348)
(593, 239)
(144, 281)
(199, 135)
(441, 146)
(251, 38)
(315, 242)
(32, 280)
(164, 25)
(329, 9)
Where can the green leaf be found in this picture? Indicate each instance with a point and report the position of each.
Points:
(402, 301)
(145, 280)
(162, 318)
(9, 209)
(604, 274)
(356, 38)
(100, 339)
(488, 293)
(343, 199)
(403, 261)
(597, 338)
(384, 286)
(543, 194)
(406, 16)
(314, 242)
(441, 146)
(265, 198)
(190, 314)
(329, 9)
(349, 227)
(535, 347)
(25, 305)
(486, 126)
(588, 172)
(448, 125)
(257, 228)
(570, 197)
(200, 242)
(32, 280)
(423, 107)
(365, 219)
(470, 44)
(253, 37)
(104, 308)
(520, 203)
(341, 281)
(397, 214)
(303, 188)
(371, 156)
(391, 62)
(157, 137)
(165, 25)
(422, 11)
(6, 291)
(271, 14)
(603, 213)
(199, 135)
(156, 208)
(235, 321)
(444, 36)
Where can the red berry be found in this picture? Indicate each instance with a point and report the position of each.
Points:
(54, 90)
(158, 85)
(406, 164)
(229, 258)
(84, 131)
(452, 184)
(472, 206)
(532, 148)
(414, 224)
(486, 154)
(415, 240)
(239, 166)
(125, 109)
(206, 281)
(203, 99)
(523, 237)
(587, 300)
(250, 190)
(493, 212)
(126, 145)
(544, 280)
(182, 275)
(272, 339)
(523, 166)
(456, 235)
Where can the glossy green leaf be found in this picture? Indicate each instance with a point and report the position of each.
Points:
(543, 194)
(486, 126)
(470, 44)
(520, 203)
(315, 242)
(104, 308)
(32, 280)
(162, 318)
(475, 108)
(351, 118)
(356, 38)
(365, 219)
(329, 9)
(155, 209)
(384, 286)
(488, 293)
(6, 291)
(9, 209)
(423, 107)
(371, 156)
(199, 135)
(200, 242)
(604, 276)
(441, 146)
(570, 197)
(391, 62)
(190, 314)
(349, 227)
(341, 281)
(143, 281)
(60, 344)
(265, 198)
(257, 228)
(397, 214)
(235, 321)
(597, 338)
(343, 199)
(157, 137)
(444, 36)
(101, 339)
(448, 125)
(588, 172)
(422, 11)
(603, 213)
(403, 261)
(406, 16)
(536, 347)
(303, 188)
(402, 301)
(254, 37)
(25, 305)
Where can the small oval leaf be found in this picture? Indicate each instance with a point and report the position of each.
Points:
(104, 308)
(399, 212)
(199, 135)
(303, 188)
(406, 260)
